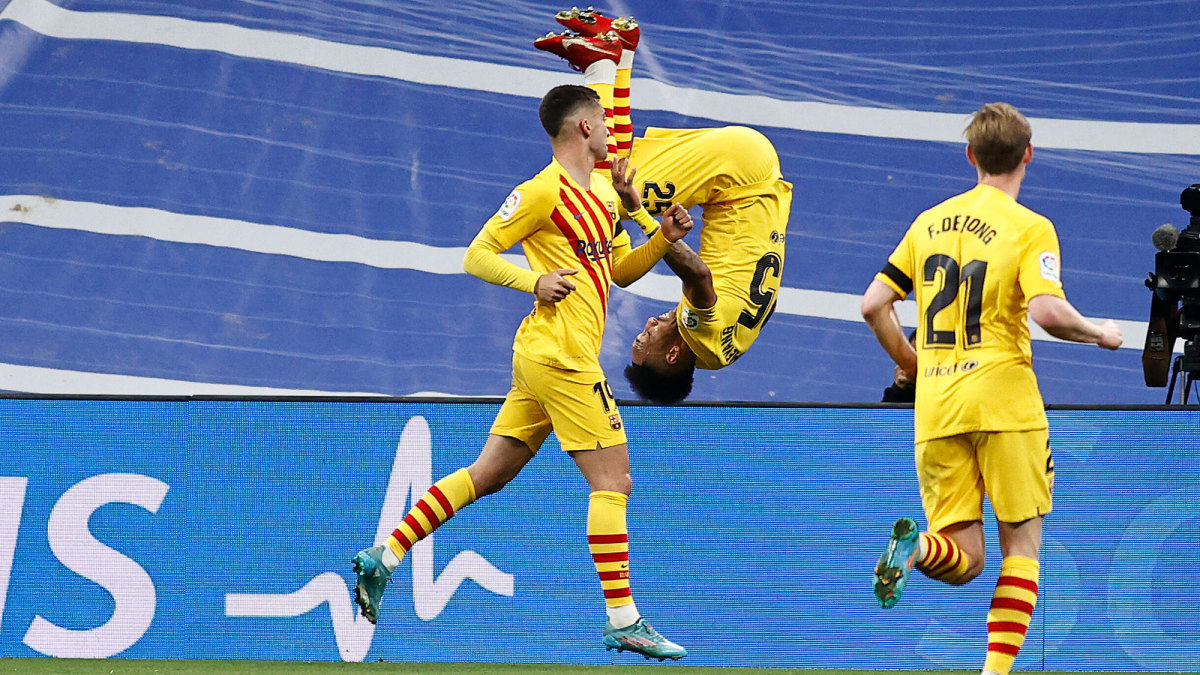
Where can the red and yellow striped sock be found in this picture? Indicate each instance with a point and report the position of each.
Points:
(622, 116)
(943, 559)
(608, 540)
(1011, 611)
(439, 504)
(599, 77)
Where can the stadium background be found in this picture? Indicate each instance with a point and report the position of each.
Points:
(208, 197)
(272, 198)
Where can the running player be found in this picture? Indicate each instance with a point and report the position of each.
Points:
(565, 218)
(979, 263)
(731, 287)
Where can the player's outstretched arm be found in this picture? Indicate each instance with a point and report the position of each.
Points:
(676, 223)
(693, 272)
(633, 265)
(879, 311)
(483, 260)
(1059, 318)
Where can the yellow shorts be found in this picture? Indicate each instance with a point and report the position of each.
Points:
(1013, 468)
(579, 407)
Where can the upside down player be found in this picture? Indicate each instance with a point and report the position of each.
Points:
(979, 264)
(730, 288)
(565, 219)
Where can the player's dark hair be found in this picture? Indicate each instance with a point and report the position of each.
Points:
(561, 102)
(657, 387)
(998, 135)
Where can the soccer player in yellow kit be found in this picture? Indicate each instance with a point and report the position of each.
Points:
(978, 263)
(730, 288)
(566, 220)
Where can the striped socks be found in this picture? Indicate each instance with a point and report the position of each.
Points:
(622, 116)
(942, 559)
(1011, 611)
(438, 505)
(608, 540)
(599, 77)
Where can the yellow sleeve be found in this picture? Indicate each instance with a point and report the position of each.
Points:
(518, 217)
(629, 266)
(645, 221)
(483, 260)
(1041, 266)
(897, 273)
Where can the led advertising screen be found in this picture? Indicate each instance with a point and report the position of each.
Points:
(217, 529)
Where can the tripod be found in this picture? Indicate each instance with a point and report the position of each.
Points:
(1189, 365)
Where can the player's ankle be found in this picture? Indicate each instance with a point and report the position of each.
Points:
(600, 72)
(625, 615)
(390, 559)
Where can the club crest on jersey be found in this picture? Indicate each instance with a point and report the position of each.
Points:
(1048, 262)
(612, 210)
(614, 421)
(690, 320)
(510, 205)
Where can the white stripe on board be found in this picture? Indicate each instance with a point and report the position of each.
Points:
(34, 380)
(277, 240)
(54, 21)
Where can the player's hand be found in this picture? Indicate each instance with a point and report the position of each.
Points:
(553, 286)
(676, 222)
(1110, 335)
(902, 378)
(624, 184)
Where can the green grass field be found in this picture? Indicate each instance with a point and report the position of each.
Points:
(169, 667)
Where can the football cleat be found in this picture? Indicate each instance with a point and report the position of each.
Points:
(581, 51)
(373, 577)
(591, 22)
(641, 637)
(895, 565)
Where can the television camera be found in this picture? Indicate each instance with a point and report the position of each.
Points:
(1175, 305)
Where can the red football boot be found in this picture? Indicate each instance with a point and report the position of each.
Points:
(581, 51)
(591, 22)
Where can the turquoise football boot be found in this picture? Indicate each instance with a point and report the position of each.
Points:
(373, 577)
(896, 563)
(643, 639)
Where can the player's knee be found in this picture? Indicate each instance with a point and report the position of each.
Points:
(489, 488)
(622, 483)
(490, 480)
(974, 568)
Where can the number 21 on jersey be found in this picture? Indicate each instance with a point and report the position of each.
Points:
(946, 277)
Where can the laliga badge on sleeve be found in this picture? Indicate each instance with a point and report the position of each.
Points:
(1048, 263)
(690, 320)
(510, 205)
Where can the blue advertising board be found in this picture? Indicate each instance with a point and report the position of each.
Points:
(223, 529)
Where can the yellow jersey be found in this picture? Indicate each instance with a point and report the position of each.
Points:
(562, 225)
(973, 262)
(733, 174)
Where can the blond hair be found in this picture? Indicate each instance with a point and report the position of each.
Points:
(998, 135)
